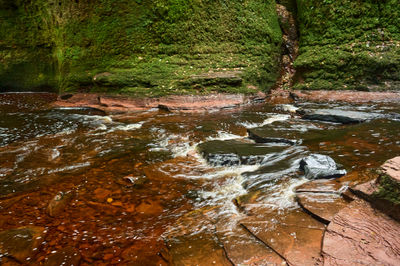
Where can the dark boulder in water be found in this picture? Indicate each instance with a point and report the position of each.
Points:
(320, 166)
(236, 152)
(340, 116)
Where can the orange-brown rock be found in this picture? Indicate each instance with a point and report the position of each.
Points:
(21, 243)
(293, 234)
(188, 103)
(322, 206)
(392, 168)
(68, 256)
(242, 248)
(361, 235)
(347, 96)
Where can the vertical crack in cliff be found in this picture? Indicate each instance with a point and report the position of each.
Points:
(290, 46)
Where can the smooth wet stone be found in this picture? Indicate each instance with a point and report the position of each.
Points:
(242, 248)
(392, 169)
(361, 235)
(320, 166)
(68, 256)
(321, 186)
(288, 108)
(322, 206)
(196, 249)
(340, 116)
(236, 152)
(291, 132)
(293, 234)
(193, 240)
(366, 190)
(268, 134)
(21, 243)
(384, 191)
(58, 203)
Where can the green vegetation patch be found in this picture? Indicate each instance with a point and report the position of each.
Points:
(148, 47)
(348, 45)
(388, 190)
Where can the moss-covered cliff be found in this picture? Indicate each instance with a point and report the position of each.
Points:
(347, 44)
(177, 46)
(140, 47)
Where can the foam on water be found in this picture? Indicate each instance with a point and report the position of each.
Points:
(273, 118)
(223, 135)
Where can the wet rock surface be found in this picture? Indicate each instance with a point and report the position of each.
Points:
(290, 132)
(320, 166)
(392, 169)
(268, 134)
(294, 235)
(360, 235)
(185, 103)
(68, 256)
(322, 206)
(347, 96)
(58, 203)
(235, 152)
(242, 248)
(21, 244)
(340, 116)
(384, 191)
(144, 196)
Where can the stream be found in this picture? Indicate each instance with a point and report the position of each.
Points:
(137, 190)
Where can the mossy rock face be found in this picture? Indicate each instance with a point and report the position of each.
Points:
(348, 45)
(148, 47)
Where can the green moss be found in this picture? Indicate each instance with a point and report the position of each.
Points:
(148, 45)
(348, 44)
(388, 190)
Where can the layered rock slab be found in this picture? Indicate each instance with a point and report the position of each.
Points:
(361, 235)
(293, 234)
(322, 206)
(384, 191)
(21, 243)
(340, 116)
(236, 152)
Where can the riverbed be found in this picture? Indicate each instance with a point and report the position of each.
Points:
(136, 189)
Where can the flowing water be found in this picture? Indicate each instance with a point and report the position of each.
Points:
(140, 192)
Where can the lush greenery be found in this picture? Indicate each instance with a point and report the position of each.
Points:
(145, 47)
(141, 47)
(388, 190)
(348, 44)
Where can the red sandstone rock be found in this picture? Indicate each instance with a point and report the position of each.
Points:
(322, 206)
(190, 103)
(348, 96)
(293, 234)
(360, 235)
(392, 168)
(21, 243)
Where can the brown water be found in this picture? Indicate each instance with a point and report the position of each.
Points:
(140, 193)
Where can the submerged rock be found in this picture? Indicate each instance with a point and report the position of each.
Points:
(320, 166)
(235, 152)
(294, 235)
(384, 191)
(340, 116)
(360, 235)
(58, 203)
(322, 206)
(267, 134)
(21, 243)
(68, 256)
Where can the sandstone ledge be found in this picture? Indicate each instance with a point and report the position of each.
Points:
(182, 103)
